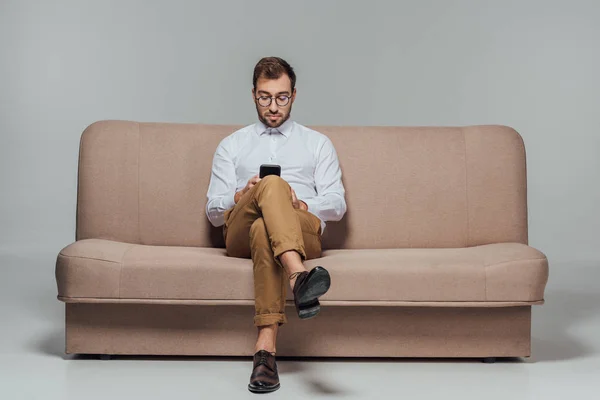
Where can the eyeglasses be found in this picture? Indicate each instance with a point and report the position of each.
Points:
(281, 101)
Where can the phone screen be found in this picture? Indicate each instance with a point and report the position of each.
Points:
(269, 169)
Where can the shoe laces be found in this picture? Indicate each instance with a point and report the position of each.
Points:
(263, 358)
(295, 274)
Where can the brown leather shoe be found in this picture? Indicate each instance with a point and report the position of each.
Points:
(309, 286)
(264, 378)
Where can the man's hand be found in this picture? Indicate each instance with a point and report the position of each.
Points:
(298, 203)
(251, 182)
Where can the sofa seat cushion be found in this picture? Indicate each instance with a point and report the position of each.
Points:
(503, 272)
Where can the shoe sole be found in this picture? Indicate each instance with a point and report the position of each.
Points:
(256, 389)
(318, 285)
(307, 311)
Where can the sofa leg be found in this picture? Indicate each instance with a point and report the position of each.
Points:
(105, 356)
(489, 360)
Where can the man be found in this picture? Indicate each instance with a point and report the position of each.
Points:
(276, 221)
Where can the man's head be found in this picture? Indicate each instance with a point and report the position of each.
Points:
(274, 90)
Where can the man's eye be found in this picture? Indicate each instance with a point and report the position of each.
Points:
(283, 98)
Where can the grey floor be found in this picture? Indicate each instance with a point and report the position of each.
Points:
(565, 361)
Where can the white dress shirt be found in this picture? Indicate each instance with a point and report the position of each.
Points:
(309, 164)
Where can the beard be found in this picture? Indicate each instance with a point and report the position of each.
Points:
(264, 118)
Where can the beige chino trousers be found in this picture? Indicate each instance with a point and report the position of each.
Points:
(262, 226)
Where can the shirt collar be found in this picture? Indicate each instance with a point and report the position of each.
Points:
(285, 129)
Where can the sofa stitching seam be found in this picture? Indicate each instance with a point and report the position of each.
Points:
(88, 258)
(162, 300)
(138, 179)
(466, 186)
(513, 261)
(485, 282)
(121, 263)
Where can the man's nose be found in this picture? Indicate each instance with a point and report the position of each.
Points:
(273, 107)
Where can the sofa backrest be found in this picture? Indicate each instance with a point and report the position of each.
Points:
(406, 187)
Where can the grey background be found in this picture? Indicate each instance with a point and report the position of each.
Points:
(529, 64)
(532, 65)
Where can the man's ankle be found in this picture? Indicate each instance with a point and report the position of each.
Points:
(265, 348)
(294, 276)
(293, 282)
(267, 335)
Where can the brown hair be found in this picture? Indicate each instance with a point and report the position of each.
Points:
(273, 68)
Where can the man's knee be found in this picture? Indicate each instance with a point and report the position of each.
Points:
(273, 180)
(271, 184)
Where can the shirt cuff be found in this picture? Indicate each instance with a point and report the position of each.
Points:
(313, 206)
(228, 202)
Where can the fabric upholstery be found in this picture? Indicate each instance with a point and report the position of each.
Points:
(430, 260)
(336, 332)
(114, 270)
(425, 187)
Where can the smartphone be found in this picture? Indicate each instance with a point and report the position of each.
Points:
(269, 169)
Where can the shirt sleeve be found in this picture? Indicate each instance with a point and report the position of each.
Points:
(221, 189)
(329, 204)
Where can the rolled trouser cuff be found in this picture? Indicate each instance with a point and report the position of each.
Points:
(282, 248)
(270, 319)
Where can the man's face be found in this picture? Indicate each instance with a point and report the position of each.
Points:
(274, 115)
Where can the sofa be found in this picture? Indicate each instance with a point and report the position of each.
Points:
(431, 259)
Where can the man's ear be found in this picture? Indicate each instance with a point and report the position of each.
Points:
(294, 95)
(253, 95)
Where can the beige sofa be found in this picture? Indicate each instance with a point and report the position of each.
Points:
(430, 260)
